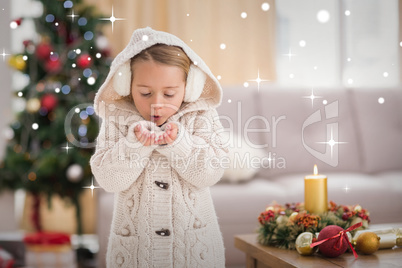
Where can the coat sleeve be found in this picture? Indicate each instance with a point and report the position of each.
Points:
(198, 152)
(119, 158)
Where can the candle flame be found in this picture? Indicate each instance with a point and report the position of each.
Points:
(315, 170)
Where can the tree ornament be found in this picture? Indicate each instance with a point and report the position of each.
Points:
(333, 240)
(49, 101)
(101, 42)
(17, 62)
(33, 105)
(53, 66)
(15, 23)
(303, 242)
(72, 37)
(84, 61)
(332, 248)
(282, 219)
(29, 46)
(367, 243)
(62, 30)
(75, 173)
(43, 51)
(18, 21)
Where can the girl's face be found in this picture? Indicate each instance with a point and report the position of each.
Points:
(157, 90)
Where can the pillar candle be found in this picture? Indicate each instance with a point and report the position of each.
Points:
(315, 193)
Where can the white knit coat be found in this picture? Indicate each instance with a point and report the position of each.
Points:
(163, 211)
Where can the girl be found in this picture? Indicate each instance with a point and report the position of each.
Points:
(159, 149)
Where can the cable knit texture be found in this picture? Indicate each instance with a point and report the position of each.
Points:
(163, 211)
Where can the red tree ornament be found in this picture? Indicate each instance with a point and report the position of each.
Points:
(49, 101)
(71, 37)
(330, 248)
(18, 21)
(84, 61)
(53, 66)
(15, 23)
(43, 51)
(62, 30)
(333, 240)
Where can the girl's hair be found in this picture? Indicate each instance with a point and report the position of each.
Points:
(164, 54)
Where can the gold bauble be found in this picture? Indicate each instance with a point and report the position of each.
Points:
(17, 62)
(33, 105)
(303, 242)
(367, 243)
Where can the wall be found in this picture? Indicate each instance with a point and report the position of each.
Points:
(11, 81)
(356, 46)
(249, 42)
(5, 72)
(7, 219)
(314, 45)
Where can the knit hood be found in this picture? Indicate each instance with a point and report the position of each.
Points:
(201, 86)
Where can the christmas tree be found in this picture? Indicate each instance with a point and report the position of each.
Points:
(52, 139)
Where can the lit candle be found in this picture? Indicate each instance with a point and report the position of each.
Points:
(315, 193)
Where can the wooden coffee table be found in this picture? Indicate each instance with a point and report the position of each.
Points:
(259, 256)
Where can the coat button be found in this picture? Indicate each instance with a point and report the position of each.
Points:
(130, 202)
(191, 195)
(119, 260)
(162, 185)
(163, 232)
(197, 224)
(125, 231)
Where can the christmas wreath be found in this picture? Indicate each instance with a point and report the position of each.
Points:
(281, 225)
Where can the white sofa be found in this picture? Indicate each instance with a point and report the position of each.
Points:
(364, 168)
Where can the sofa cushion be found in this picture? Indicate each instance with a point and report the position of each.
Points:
(244, 161)
(243, 202)
(379, 128)
(300, 131)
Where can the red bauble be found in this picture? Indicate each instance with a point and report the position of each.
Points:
(330, 247)
(48, 101)
(61, 29)
(53, 66)
(43, 51)
(84, 61)
(71, 37)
